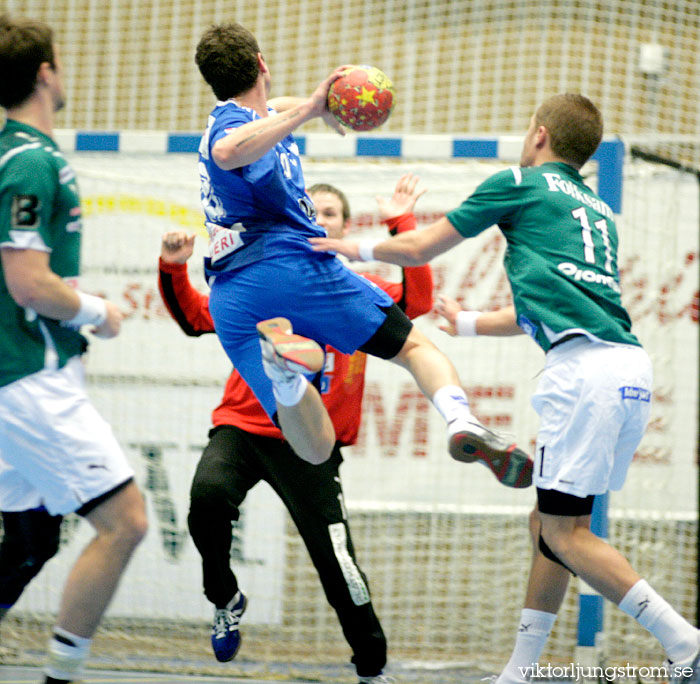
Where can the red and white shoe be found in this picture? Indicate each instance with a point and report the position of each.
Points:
(286, 354)
(470, 441)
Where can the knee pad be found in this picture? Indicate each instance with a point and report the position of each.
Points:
(548, 553)
(30, 538)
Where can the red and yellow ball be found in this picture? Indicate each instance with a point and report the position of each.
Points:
(362, 98)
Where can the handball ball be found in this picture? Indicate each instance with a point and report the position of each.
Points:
(362, 98)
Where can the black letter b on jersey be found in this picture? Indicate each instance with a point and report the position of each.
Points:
(25, 210)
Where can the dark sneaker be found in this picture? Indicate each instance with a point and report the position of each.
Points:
(284, 353)
(470, 442)
(225, 637)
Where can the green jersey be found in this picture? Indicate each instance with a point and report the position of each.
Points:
(39, 210)
(561, 256)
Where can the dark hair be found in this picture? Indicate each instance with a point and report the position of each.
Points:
(227, 57)
(24, 46)
(575, 126)
(325, 187)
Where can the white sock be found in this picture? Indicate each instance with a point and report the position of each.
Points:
(533, 632)
(290, 393)
(452, 403)
(678, 637)
(67, 654)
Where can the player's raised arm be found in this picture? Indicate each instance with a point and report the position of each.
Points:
(244, 83)
(188, 307)
(403, 200)
(414, 294)
(247, 143)
(177, 246)
(408, 249)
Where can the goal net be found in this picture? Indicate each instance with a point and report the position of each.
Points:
(445, 548)
(457, 65)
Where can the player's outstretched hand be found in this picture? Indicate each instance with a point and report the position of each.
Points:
(176, 246)
(319, 100)
(448, 308)
(403, 200)
(347, 249)
(112, 324)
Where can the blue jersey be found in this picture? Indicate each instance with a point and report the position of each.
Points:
(258, 211)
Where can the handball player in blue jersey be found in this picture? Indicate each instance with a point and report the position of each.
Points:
(273, 299)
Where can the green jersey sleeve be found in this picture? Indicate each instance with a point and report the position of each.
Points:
(28, 187)
(495, 201)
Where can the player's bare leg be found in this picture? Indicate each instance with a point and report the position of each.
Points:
(307, 427)
(120, 523)
(546, 589)
(607, 571)
(600, 565)
(545, 592)
(469, 440)
(548, 580)
(303, 418)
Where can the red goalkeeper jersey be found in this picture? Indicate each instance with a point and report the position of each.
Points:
(343, 378)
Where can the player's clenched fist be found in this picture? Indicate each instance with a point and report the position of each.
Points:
(112, 324)
(177, 246)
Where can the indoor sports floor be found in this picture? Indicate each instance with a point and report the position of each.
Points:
(32, 675)
(10, 674)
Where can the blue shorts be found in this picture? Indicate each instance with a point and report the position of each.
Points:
(323, 299)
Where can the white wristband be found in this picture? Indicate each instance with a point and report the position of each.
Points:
(466, 323)
(92, 311)
(365, 249)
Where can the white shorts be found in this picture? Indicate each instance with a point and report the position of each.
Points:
(594, 402)
(56, 450)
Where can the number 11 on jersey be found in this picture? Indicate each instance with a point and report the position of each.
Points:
(581, 215)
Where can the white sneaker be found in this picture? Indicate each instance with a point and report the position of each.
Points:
(286, 354)
(377, 679)
(470, 441)
(685, 671)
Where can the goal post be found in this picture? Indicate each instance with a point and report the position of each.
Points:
(609, 155)
(445, 548)
(640, 152)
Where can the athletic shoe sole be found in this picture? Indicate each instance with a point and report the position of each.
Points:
(291, 352)
(511, 465)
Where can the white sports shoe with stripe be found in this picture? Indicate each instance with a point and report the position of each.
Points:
(286, 354)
